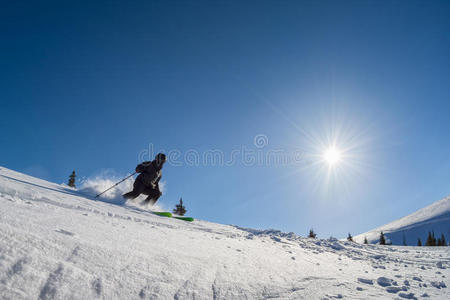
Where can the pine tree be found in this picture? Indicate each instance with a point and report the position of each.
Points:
(349, 238)
(72, 179)
(419, 242)
(439, 242)
(444, 242)
(312, 234)
(179, 208)
(366, 241)
(382, 239)
(429, 241)
(404, 239)
(434, 242)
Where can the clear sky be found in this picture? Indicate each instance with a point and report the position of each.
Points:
(92, 85)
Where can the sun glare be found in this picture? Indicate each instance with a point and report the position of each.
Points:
(335, 149)
(332, 156)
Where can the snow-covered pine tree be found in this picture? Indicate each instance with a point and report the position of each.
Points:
(71, 182)
(312, 234)
(382, 239)
(349, 237)
(179, 208)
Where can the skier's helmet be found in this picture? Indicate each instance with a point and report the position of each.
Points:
(160, 158)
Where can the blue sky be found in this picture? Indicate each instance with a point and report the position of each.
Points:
(91, 85)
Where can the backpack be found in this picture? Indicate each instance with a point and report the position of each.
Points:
(141, 167)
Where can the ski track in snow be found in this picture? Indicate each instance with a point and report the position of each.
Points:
(58, 244)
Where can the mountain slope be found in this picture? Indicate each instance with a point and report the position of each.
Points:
(435, 217)
(56, 243)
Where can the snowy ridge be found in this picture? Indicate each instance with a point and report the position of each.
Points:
(57, 243)
(435, 217)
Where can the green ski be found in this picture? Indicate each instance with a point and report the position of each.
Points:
(162, 214)
(189, 219)
(169, 215)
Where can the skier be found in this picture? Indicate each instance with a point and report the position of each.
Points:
(147, 182)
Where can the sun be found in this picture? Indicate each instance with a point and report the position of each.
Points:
(332, 156)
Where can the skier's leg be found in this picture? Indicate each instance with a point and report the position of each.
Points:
(153, 196)
(138, 188)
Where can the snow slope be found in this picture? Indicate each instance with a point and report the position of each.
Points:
(435, 217)
(56, 243)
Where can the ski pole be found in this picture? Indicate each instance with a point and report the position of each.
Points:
(116, 184)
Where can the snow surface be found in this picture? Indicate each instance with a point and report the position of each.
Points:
(435, 217)
(58, 243)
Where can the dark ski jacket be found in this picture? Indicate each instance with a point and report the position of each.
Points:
(150, 174)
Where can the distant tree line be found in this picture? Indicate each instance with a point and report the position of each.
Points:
(430, 241)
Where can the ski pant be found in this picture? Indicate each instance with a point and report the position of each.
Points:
(141, 188)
